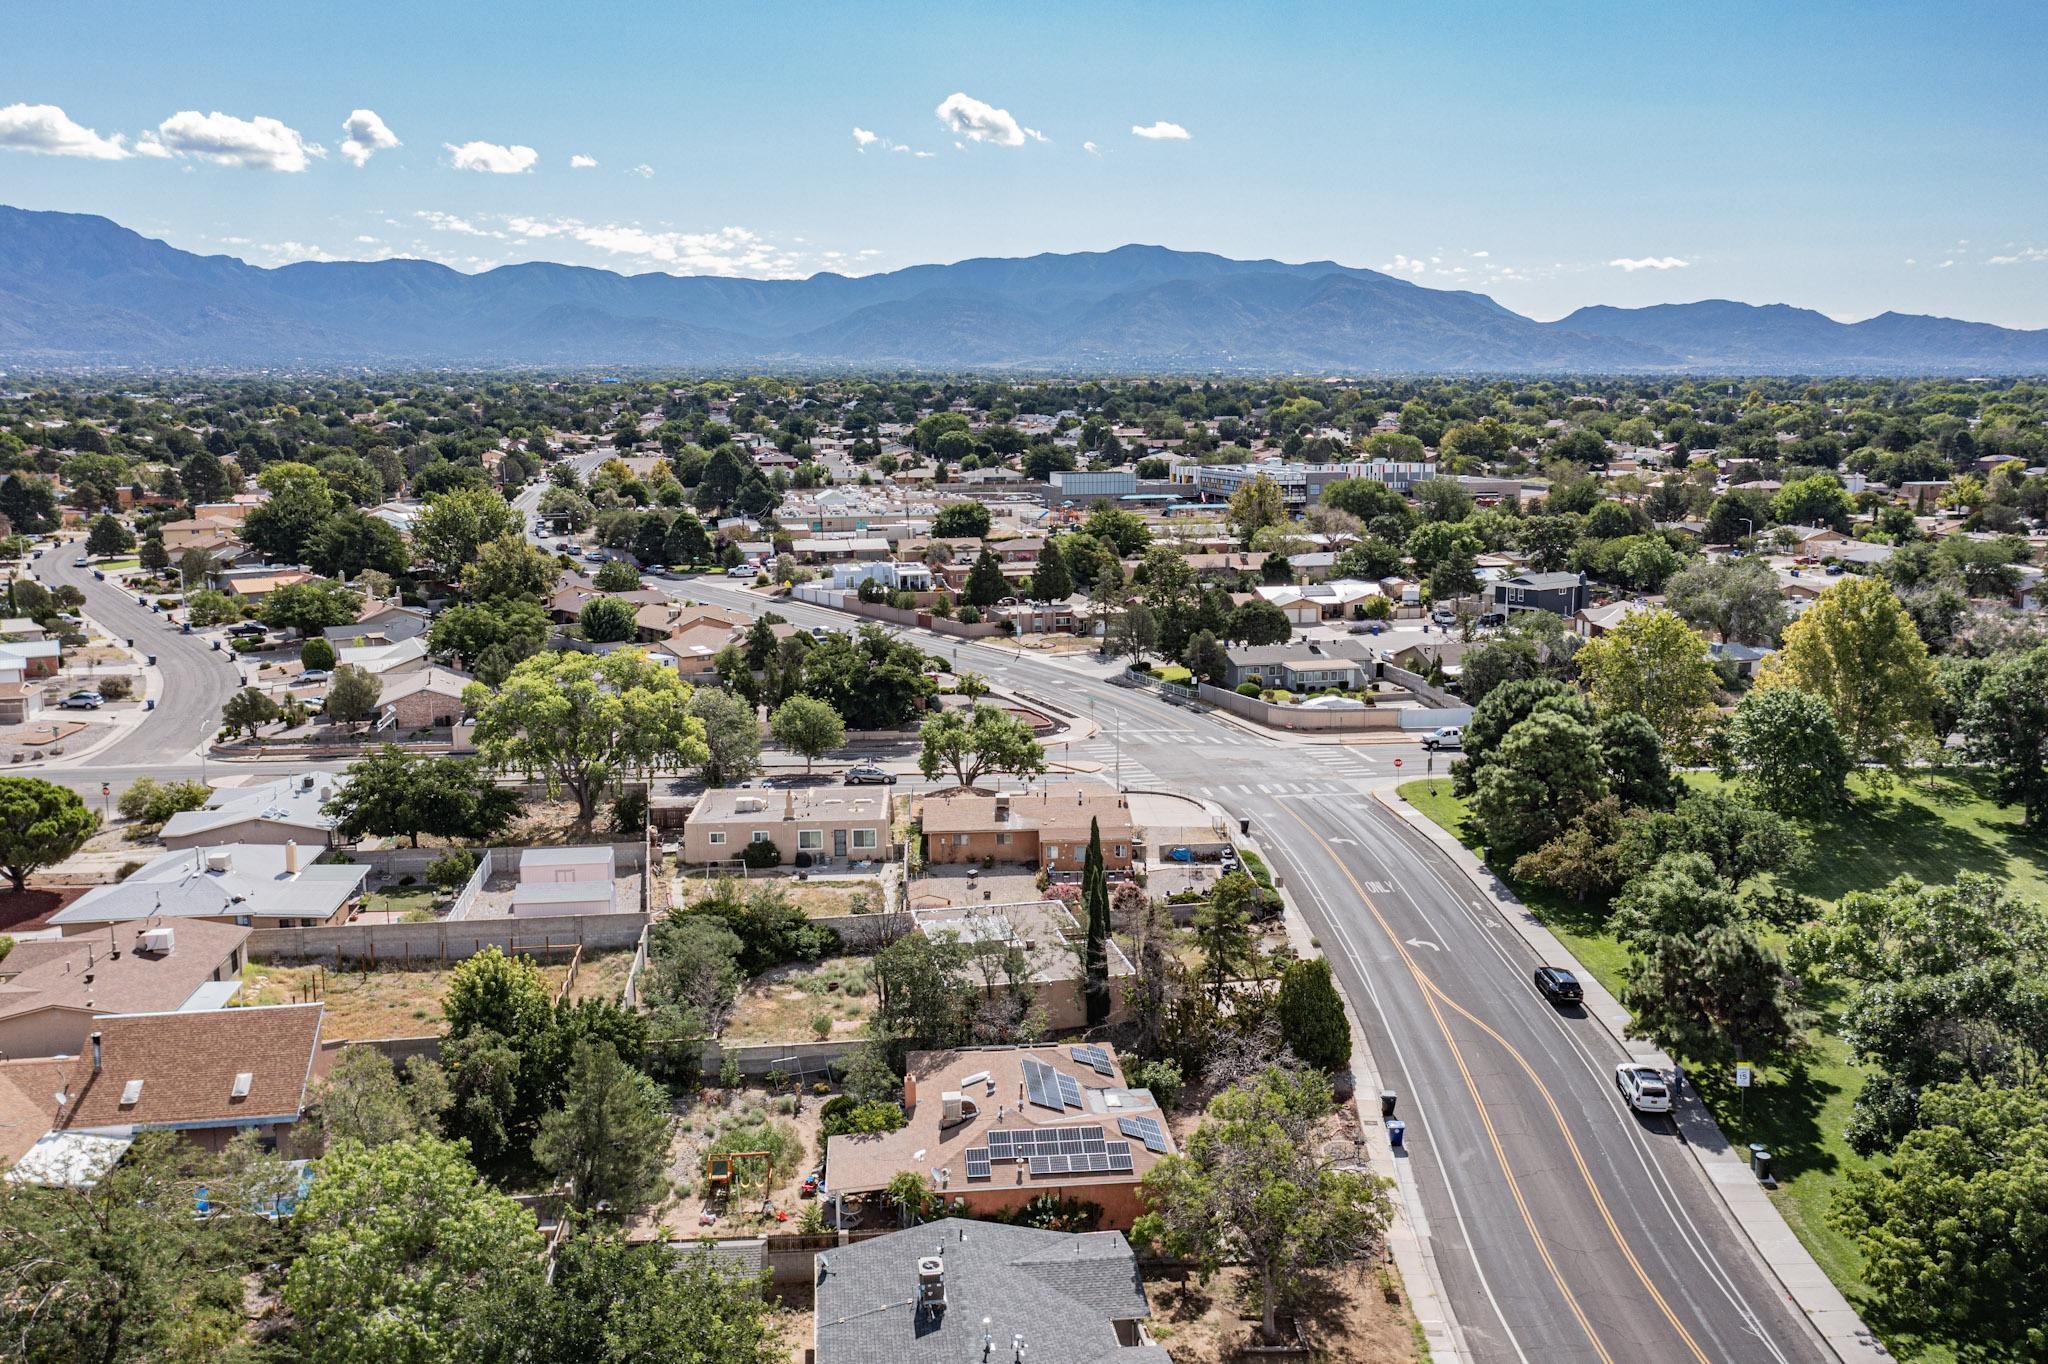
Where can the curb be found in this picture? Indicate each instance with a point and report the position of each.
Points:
(1748, 1206)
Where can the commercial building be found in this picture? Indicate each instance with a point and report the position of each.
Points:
(1301, 484)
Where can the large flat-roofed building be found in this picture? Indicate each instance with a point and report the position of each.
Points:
(1078, 484)
(1301, 484)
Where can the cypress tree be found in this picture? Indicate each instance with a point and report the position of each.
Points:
(1095, 900)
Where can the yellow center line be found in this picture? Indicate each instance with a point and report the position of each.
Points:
(1431, 994)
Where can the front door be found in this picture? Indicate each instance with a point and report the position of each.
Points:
(839, 842)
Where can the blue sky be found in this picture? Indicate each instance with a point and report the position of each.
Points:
(1846, 158)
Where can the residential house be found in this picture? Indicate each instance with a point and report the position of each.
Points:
(30, 659)
(1030, 944)
(1744, 657)
(381, 622)
(566, 881)
(995, 1127)
(1443, 652)
(957, 1289)
(1313, 665)
(209, 1076)
(424, 697)
(257, 885)
(254, 587)
(286, 810)
(1561, 594)
(1049, 826)
(1594, 621)
(694, 651)
(385, 660)
(53, 989)
(20, 702)
(813, 827)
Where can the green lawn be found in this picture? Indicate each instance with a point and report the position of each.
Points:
(1173, 672)
(1932, 828)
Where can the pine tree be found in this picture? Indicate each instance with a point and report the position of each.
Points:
(1050, 580)
(1095, 900)
(985, 582)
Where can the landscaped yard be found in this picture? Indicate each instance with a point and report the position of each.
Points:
(787, 1003)
(413, 904)
(394, 1002)
(1938, 825)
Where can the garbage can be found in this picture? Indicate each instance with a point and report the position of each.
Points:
(1761, 1162)
(1387, 1097)
(150, 704)
(151, 658)
(1756, 1148)
(1397, 1133)
(1244, 826)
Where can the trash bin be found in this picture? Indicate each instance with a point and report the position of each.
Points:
(1244, 826)
(151, 658)
(1387, 1098)
(1397, 1133)
(1756, 1148)
(1761, 1162)
(150, 704)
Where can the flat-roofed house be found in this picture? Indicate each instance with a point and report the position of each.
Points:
(809, 828)
(566, 881)
(1049, 826)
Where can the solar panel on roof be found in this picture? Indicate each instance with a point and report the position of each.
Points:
(1070, 1090)
(1041, 1084)
(1119, 1156)
(977, 1163)
(1098, 1160)
(1041, 1165)
(999, 1145)
(1145, 1130)
(1095, 1057)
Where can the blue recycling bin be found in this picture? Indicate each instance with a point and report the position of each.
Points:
(1397, 1133)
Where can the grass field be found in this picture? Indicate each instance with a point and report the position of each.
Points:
(1938, 825)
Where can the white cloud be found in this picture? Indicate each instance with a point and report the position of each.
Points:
(1945, 265)
(863, 138)
(1035, 135)
(1162, 131)
(1089, 147)
(1650, 263)
(251, 143)
(968, 117)
(48, 131)
(643, 170)
(582, 162)
(285, 253)
(1481, 255)
(449, 222)
(149, 145)
(491, 158)
(2026, 255)
(1403, 265)
(364, 135)
(728, 251)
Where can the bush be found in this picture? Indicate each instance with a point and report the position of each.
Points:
(452, 868)
(1164, 1079)
(1312, 1017)
(251, 646)
(317, 653)
(970, 615)
(117, 686)
(842, 1114)
(1249, 689)
(771, 930)
(761, 856)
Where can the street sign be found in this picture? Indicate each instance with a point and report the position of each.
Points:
(1743, 1075)
(106, 788)
(1397, 762)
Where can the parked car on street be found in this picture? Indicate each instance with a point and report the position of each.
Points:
(1558, 985)
(1642, 1087)
(741, 571)
(868, 774)
(80, 562)
(1448, 737)
(83, 700)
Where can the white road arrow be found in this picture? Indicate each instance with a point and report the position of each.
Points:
(1424, 942)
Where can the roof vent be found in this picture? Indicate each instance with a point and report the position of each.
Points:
(131, 1093)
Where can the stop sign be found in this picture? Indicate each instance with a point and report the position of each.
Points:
(1397, 762)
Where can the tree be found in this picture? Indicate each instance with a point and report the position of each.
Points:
(617, 576)
(1312, 1019)
(606, 620)
(496, 993)
(196, 566)
(1738, 514)
(1738, 840)
(580, 720)
(248, 710)
(1364, 498)
(1547, 768)
(394, 793)
(566, 509)
(1817, 500)
(1258, 621)
(609, 1140)
(1654, 665)
(282, 526)
(1131, 632)
(352, 694)
(40, 823)
(874, 680)
(1095, 904)
(961, 521)
(351, 542)
(1637, 774)
(1952, 1228)
(364, 1102)
(1206, 658)
(152, 554)
(108, 537)
(119, 1271)
(1223, 930)
(1370, 560)
(310, 607)
(456, 524)
(317, 654)
(1506, 706)
(407, 1253)
(1256, 504)
(985, 582)
(1718, 995)
(508, 569)
(1856, 649)
(687, 542)
(1253, 1186)
(1442, 499)
(205, 478)
(2005, 727)
(489, 638)
(1790, 757)
(149, 801)
(29, 503)
(1737, 599)
(614, 1302)
(978, 740)
(732, 736)
(806, 725)
(1050, 578)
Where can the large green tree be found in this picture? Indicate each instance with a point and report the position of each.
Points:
(1544, 772)
(488, 639)
(608, 1142)
(283, 525)
(1654, 665)
(1856, 649)
(976, 741)
(732, 736)
(456, 524)
(1787, 751)
(807, 726)
(394, 793)
(40, 823)
(2005, 727)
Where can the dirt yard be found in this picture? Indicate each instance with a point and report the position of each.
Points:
(828, 899)
(788, 1003)
(400, 1003)
(1354, 1316)
(747, 1119)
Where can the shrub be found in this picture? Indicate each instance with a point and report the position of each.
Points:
(452, 868)
(117, 686)
(1164, 1079)
(842, 1115)
(970, 615)
(760, 856)
(317, 653)
(1249, 689)
(1312, 1017)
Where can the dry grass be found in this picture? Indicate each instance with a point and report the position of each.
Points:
(602, 975)
(399, 1003)
(784, 1005)
(723, 1115)
(1351, 1317)
(825, 900)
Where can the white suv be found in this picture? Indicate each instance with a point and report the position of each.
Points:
(1642, 1087)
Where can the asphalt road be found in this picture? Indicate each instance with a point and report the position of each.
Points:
(196, 680)
(1565, 1227)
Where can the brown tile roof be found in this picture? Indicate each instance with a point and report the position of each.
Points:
(1058, 810)
(106, 971)
(189, 1065)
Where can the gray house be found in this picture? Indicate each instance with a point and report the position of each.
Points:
(1562, 594)
(958, 1289)
(1302, 666)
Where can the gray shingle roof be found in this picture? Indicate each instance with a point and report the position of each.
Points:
(1063, 1293)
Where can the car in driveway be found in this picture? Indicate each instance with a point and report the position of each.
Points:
(83, 700)
(311, 675)
(248, 629)
(1448, 737)
(1558, 985)
(1642, 1087)
(867, 774)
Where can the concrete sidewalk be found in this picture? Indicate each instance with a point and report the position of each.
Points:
(1726, 1169)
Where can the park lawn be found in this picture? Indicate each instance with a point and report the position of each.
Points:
(1939, 824)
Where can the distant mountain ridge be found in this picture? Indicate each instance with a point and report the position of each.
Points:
(80, 291)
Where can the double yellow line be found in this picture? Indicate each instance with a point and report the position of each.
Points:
(1433, 996)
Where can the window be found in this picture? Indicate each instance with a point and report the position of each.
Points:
(810, 840)
(760, 836)
(717, 838)
(1052, 852)
(865, 838)
(1119, 850)
(1002, 840)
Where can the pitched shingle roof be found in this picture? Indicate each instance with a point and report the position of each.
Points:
(189, 1066)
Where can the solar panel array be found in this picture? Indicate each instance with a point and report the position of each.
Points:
(1048, 1088)
(1096, 1057)
(1022, 1143)
(1070, 1089)
(1145, 1130)
(977, 1163)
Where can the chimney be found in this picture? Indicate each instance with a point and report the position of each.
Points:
(909, 1093)
(291, 857)
(96, 1052)
(789, 804)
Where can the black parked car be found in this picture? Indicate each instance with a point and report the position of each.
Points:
(1558, 985)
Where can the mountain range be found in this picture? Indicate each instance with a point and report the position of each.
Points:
(80, 292)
